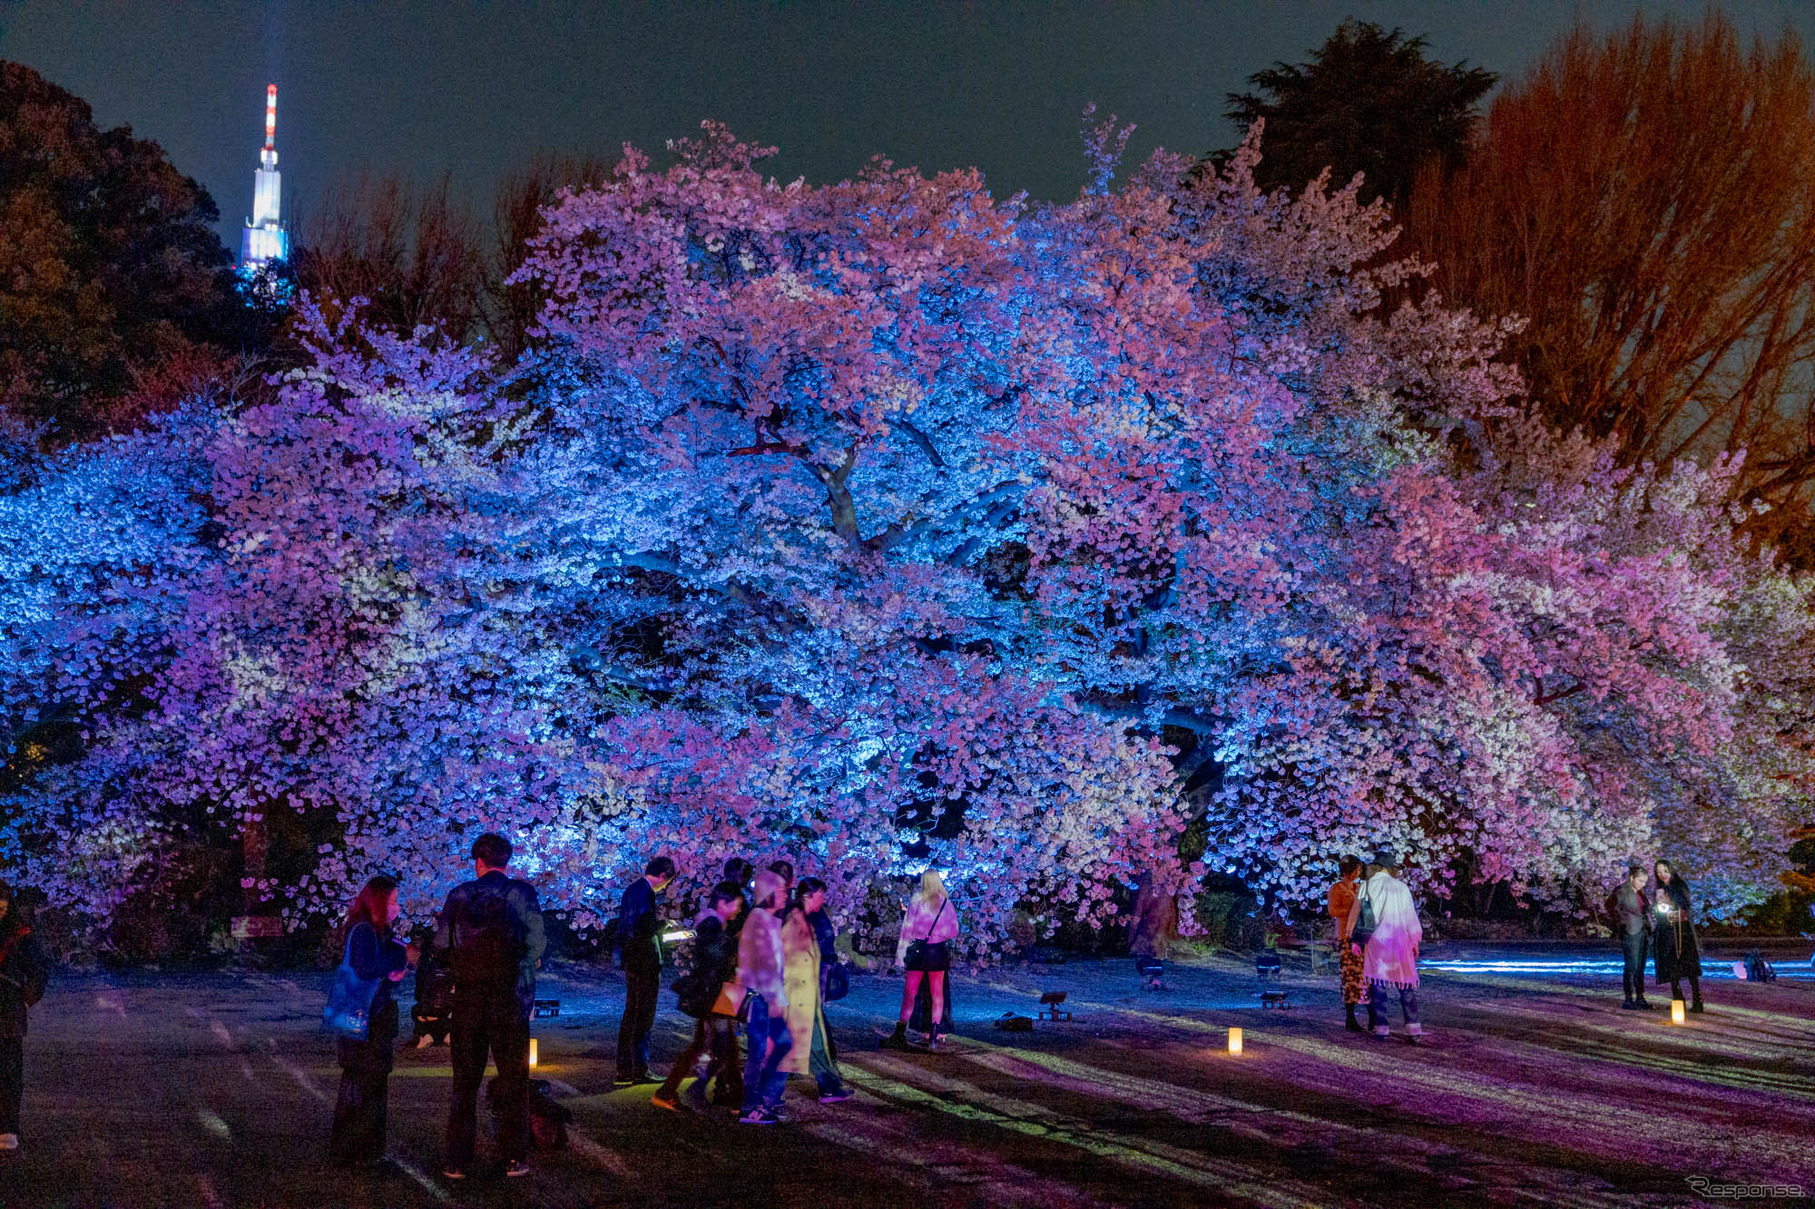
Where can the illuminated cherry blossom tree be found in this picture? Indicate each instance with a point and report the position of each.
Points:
(888, 523)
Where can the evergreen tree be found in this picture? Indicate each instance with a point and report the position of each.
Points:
(1368, 101)
(112, 275)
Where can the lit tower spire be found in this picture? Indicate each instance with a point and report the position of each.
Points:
(265, 238)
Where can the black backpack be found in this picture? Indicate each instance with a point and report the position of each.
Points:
(1365, 923)
(484, 944)
(1758, 969)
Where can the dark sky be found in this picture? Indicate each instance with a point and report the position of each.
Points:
(473, 89)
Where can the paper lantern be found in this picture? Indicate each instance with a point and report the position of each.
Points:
(1676, 1011)
(532, 1051)
(1235, 1041)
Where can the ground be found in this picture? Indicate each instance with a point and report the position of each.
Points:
(1532, 1088)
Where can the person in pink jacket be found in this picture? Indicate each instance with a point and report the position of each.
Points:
(760, 970)
(924, 951)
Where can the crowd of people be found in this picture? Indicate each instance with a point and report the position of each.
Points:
(1377, 937)
(761, 968)
(763, 962)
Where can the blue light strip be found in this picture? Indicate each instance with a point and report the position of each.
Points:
(1562, 967)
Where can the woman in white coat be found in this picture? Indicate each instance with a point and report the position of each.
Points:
(1389, 959)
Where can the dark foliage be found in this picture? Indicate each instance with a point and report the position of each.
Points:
(1368, 101)
(113, 280)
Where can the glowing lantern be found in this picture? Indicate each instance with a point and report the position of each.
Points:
(1676, 1011)
(532, 1051)
(1235, 1041)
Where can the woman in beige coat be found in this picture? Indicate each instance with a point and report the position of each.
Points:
(801, 957)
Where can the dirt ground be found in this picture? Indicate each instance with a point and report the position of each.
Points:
(1532, 1088)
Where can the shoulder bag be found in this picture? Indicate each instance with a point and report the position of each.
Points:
(916, 950)
(349, 1010)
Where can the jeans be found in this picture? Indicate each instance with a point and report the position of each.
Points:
(494, 1020)
(1633, 944)
(1377, 1006)
(769, 1044)
(361, 1107)
(641, 989)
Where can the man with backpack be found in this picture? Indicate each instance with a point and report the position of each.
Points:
(638, 929)
(491, 932)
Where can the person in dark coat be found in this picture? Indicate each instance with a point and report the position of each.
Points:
(490, 932)
(432, 1013)
(639, 925)
(358, 1133)
(23, 975)
(714, 964)
(1629, 915)
(1678, 956)
(727, 1048)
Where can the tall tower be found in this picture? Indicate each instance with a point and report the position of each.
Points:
(265, 238)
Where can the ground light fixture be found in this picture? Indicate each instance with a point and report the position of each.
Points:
(1676, 1011)
(533, 1056)
(1235, 1040)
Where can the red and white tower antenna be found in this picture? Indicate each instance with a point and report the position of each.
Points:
(265, 238)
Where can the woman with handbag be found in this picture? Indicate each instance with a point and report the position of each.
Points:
(924, 951)
(363, 1014)
(700, 990)
(803, 969)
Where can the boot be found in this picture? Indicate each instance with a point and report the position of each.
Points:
(1352, 1024)
(897, 1039)
(1695, 1005)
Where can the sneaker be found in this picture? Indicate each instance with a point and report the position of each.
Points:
(1642, 1004)
(454, 1173)
(668, 1102)
(1414, 1031)
(757, 1116)
(515, 1168)
(9, 1141)
(836, 1097)
(424, 1041)
(1382, 1033)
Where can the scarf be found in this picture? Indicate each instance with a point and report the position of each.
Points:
(1391, 957)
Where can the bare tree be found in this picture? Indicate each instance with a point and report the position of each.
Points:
(1647, 201)
(415, 255)
(517, 207)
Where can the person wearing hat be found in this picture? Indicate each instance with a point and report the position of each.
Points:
(1629, 914)
(1389, 961)
(23, 973)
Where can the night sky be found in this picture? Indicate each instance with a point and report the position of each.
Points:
(422, 89)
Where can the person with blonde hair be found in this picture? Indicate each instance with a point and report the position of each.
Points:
(924, 951)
